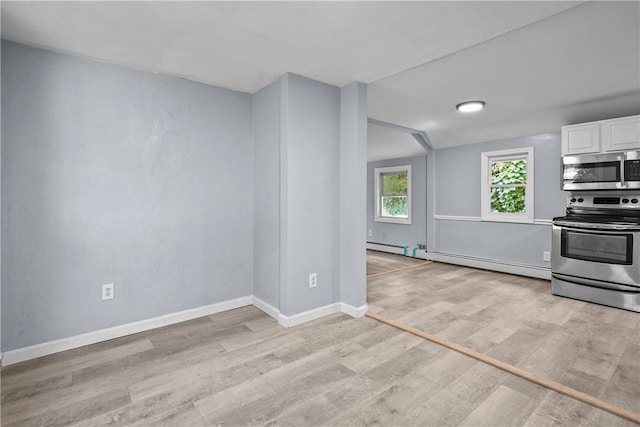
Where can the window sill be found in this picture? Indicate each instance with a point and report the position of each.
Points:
(404, 221)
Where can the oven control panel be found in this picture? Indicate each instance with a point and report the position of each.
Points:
(630, 201)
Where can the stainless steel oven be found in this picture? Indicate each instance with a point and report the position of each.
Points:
(596, 250)
(613, 171)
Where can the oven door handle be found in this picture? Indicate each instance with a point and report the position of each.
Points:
(598, 226)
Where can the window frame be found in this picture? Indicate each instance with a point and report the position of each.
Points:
(377, 173)
(489, 157)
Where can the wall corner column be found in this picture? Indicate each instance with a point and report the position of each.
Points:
(353, 195)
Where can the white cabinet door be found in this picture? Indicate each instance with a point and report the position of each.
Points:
(621, 134)
(581, 139)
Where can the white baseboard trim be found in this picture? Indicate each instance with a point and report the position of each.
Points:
(297, 319)
(356, 312)
(307, 316)
(488, 264)
(26, 353)
(266, 307)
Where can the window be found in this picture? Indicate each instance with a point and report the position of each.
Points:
(507, 185)
(393, 194)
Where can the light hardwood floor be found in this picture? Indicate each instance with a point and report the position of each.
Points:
(380, 262)
(241, 368)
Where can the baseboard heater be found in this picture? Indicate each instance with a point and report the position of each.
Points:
(493, 265)
(469, 261)
(397, 249)
(385, 244)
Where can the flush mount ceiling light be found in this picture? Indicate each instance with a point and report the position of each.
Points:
(470, 106)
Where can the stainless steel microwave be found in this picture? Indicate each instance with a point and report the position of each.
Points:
(611, 171)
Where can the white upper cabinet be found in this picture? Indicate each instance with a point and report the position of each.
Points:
(602, 136)
(621, 134)
(581, 139)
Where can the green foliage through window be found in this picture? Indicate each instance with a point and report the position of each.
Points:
(508, 181)
(394, 195)
(395, 206)
(394, 183)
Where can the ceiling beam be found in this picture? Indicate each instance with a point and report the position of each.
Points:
(420, 136)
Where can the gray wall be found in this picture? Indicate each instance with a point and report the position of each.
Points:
(2, 138)
(266, 195)
(455, 183)
(310, 158)
(400, 234)
(310, 169)
(115, 175)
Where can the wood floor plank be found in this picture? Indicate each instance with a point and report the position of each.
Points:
(457, 400)
(352, 393)
(380, 262)
(183, 416)
(531, 389)
(322, 336)
(591, 400)
(68, 414)
(521, 344)
(602, 418)
(134, 413)
(446, 368)
(266, 385)
(400, 398)
(623, 387)
(31, 389)
(38, 406)
(559, 410)
(477, 383)
(236, 341)
(142, 365)
(194, 334)
(206, 367)
(555, 355)
(380, 353)
(490, 335)
(72, 364)
(561, 311)
(443, 409)
(503, 407)
(375, 334)
(271, 405)
(584, 382)
(622, 319)
(76, 354)
(204, 381)
(241, 368)
(315, 411)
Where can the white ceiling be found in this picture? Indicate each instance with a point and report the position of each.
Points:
(388, 143)
(580, 65)
(572, 61)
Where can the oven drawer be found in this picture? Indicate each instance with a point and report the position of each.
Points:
(597, 283)
(628, 299)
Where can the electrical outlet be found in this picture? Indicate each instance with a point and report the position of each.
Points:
(313, 280)
(370, 233)
(107, 291)
(546, 256)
